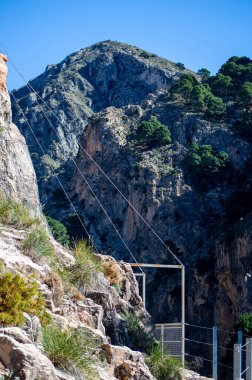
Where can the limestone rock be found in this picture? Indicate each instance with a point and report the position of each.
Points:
(190, 375)
(17, 176)
(3, 72)
(24, 359)
(125, 364)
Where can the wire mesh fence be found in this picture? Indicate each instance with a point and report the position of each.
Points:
(170, 337)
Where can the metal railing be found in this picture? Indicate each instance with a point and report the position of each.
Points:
(170, 337)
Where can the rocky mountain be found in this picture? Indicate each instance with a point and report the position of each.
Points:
(65, 314)
(194, 190)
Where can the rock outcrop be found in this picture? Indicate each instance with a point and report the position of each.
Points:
(3, 72)
(17, 176)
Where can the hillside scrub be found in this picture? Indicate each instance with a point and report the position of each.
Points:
(206, 165)
(13, 213)
(37, 244)
(162, 366)
(206, 159)
(59, 231)
(71, 350)
(152, 133)
(244, 322)
(198, 97)
(18, 295)
(139, 338)
(85, 269)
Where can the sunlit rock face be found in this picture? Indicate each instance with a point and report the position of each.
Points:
(17, 176)
(3, 72)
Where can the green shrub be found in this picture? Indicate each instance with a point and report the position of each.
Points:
(184, 86)
(198, 97)
(221, 85)
(139, 338)
(206, 165)
(17, 296)
(245, 94)
(15, 214)
(204, 73)
(85, 270)
(162, 366)
(153, 133)
(243, 126)
(244, 322)
(37, 244)
(144, 54)
(59, 231)
(70, 350)
(180, 65)
(215, 107)
(239, 69)
(205, 159)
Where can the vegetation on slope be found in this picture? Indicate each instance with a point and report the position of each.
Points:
(162, 366)
(226, 96)
(206, 165)
(71, 350)
(152, 133)
(59, 231)
(139, 338)
(13, 213)
(244, 322)
(18, 295)
(37, 244)
(85, 269)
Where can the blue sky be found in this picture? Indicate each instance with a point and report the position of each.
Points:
(199, 33)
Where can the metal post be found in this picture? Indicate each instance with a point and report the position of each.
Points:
(144, 289)
(237, 362)
(162, 338)
(215, 353)
(183, 314)
(239, 341)
(249, 358)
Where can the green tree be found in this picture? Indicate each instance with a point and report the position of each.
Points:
(198, 97)
(243, 126)
(184, 86)
(59, 231)
(239, 69)
(153, 133)
(204, 73)
(206, 164)
(216, 108)
(180, 65)
(245, 94)
(221, 85)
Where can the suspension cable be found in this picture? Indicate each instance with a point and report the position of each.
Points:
(90, 187)
(60, 183)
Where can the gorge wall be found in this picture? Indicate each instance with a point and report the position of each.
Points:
(99, 96)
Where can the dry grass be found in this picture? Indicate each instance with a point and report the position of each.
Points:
(13, 213)
(112, 272)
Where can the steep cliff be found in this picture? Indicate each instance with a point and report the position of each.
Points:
(17, 176)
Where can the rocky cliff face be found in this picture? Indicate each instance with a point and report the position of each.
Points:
(17, 176)
(99, 312)
(100, 94)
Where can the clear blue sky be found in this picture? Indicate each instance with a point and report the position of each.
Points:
(199, 33)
